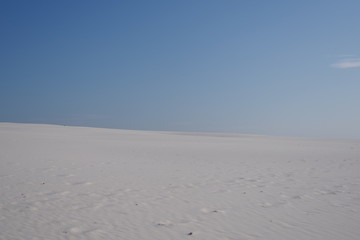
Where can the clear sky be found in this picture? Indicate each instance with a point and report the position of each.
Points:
(288, 68)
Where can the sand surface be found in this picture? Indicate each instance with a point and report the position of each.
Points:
(60, 182)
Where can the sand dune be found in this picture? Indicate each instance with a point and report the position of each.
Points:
(60, 182)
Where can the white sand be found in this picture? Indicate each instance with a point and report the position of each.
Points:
(60, 182)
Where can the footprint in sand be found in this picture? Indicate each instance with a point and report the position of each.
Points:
(209, 210)
(165, 223)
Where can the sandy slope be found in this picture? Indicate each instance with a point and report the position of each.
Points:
(61, 182)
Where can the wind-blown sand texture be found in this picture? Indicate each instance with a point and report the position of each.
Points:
(60, 182)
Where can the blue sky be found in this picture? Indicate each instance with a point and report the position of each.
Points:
(288, 68)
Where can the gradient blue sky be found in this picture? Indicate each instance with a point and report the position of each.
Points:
(287, 68)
